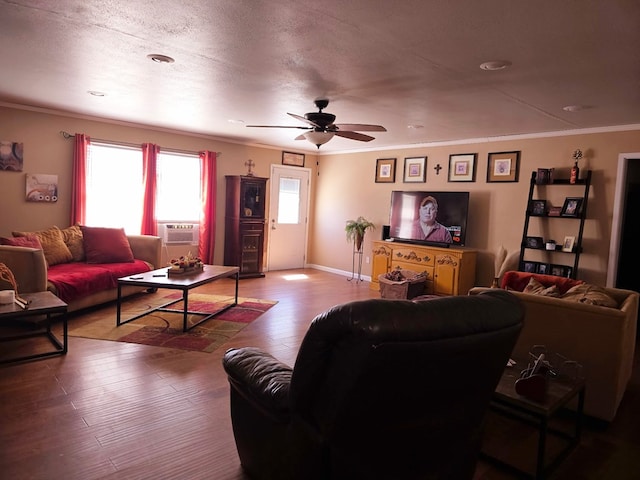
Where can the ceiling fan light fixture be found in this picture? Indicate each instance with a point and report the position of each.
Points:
(319, 138)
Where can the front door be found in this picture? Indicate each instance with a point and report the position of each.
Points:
(288, 212)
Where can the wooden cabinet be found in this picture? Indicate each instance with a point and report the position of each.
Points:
(568, 221)
(245, 224)
(450, 271)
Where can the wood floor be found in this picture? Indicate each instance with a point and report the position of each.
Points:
(111, 410)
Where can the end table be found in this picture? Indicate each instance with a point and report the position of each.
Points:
(40, 303)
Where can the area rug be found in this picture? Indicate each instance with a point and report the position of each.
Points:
(164, 329)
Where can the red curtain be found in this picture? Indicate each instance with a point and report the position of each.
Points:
(149, 161)
(208, 213)
(79, 179)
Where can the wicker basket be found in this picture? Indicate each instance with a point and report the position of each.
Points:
(411, 285)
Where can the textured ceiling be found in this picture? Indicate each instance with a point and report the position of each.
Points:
(393, 63)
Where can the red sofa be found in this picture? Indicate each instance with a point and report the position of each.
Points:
(86, 277)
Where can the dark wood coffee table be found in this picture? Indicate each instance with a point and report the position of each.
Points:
(40, 304)
(508, 402)
(161, 279)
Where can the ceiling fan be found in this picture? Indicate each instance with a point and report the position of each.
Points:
(321, 128)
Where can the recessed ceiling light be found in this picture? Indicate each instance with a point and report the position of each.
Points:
(495, 65)
(95, 93)
(235, 121)
(156, 57)
(574, 108)
(415, 127)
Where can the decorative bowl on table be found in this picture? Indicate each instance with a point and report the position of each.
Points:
(185, 264)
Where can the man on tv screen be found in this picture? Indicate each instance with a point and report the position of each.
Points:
(426, 227)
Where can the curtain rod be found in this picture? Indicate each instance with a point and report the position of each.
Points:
(68, 135)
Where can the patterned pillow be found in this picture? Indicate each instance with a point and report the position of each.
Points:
(53, 246)
(536, 288)
(591, 295)
(74, 240)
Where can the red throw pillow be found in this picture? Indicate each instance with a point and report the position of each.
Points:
(106, 245)
(28, 241)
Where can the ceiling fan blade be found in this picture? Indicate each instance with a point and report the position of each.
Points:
(300, 137)
(354, 136)
(361, 127)
(305, 120)
(277, 126)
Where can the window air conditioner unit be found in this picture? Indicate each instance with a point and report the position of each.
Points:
(180, 233)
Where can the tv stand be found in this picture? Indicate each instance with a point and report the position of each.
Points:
(450, 270)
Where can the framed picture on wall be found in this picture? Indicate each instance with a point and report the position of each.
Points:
(503, 167)
(462, 167)
(294, 159)
(386, 170)
(415, 170)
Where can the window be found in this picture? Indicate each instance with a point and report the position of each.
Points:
(114, 187)
(289, 201)
(178, 187)
(115, 192)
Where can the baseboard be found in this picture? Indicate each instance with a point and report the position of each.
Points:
(344, 273)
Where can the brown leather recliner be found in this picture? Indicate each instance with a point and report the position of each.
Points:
(381, 389)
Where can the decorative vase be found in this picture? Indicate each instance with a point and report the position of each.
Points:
(495, 283)
(575, 173)
(358, 241)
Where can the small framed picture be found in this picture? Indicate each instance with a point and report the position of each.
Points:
(558, 270)
(462, 167)
(544, 176)
(534, 242)
(543, 268)
(415, 170)
(567, 244)
(530, 267)
(538, 207)
(503, 167)
(295, 159)
(386, 170)
(572, 207)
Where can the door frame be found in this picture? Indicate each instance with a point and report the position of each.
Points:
(273, 190)
(618, 213)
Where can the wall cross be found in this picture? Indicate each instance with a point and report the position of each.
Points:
(249, 164)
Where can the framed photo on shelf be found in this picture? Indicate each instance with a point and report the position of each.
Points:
(294, 159)
(534, 242)
(386, 170)
(544, 176)
(558, 270)
(538, 207)
(503, 167)
(543, 268)
(568, 243)
(572, 207)
(415, 170)
(462, 167)
(530, 267)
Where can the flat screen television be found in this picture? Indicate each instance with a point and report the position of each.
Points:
(430, 218)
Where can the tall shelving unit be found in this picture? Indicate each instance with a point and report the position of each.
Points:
(550, 265)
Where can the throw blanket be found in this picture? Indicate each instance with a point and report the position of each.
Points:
(75, 280)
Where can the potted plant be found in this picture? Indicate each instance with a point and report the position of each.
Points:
(356, 229)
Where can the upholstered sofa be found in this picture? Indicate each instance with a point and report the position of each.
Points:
(569, 318)
(80, 265)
